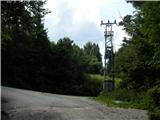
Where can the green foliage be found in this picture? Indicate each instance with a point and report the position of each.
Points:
(96, 77)
(155, 114)
(121, 94)
(93, 58)
(124, 98)
(31, 61)
(137, 61)
(154, 103)
(24, 42)
(92, 86)
(109, 100)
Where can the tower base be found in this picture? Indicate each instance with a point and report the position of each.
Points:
(108, 85)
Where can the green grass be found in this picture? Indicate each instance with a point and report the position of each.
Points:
(96, 77)
(111, 102)
(146, 100)
(101, 78)
(117, 82)
(118, 97)
(122, 99)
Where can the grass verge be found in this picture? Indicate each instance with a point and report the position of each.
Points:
(115, 99)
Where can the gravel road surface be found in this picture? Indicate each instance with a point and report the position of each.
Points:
(18, 104)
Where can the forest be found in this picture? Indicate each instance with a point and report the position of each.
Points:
(31, 61)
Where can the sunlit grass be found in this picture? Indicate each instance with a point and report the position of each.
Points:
(101, 78)
(119, 99)
(96, 77)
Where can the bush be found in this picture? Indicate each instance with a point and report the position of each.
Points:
(121, 94)
(91, 86)
(154, 114)
(96, 77)
(127, 98)
(154, 103)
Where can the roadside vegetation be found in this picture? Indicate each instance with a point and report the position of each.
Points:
(129, 99)
(137, 62)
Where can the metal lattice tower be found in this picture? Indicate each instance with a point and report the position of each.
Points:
(109, 55)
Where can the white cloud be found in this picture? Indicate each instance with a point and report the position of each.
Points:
(75, 19)
(80, 20)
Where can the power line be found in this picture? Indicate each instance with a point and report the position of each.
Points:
(108, 54)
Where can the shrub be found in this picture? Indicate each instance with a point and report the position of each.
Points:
(121, 94)
(127, 98)
(154, 114)
(91, 86)
(154, 103)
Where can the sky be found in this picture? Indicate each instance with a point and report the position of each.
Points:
(80, 20)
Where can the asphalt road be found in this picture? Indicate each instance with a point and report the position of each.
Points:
(20, 104)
